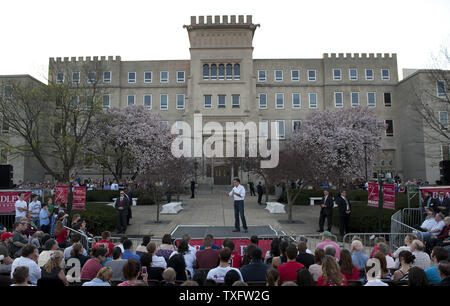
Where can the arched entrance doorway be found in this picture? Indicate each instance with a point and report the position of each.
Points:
(222, 175)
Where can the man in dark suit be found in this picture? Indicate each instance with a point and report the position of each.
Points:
(442, 204)
(259, 188)
(121, 205)
(326, 212)
(192, 189)
(345, 209)
(129, 195)
(252, 188)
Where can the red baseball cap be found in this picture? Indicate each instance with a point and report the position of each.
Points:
(6, 235)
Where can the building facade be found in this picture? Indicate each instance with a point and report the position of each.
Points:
(224, 83)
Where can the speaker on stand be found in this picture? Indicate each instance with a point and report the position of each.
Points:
(6, 176)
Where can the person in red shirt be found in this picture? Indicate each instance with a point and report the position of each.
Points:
(93, 265)
(106, 241)
(207, 258)
(61, 235)
(288, 271)
(236, 258)
(348, 269)
(331, 274)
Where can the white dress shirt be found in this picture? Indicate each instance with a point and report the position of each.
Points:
(34, 270)
(239, 190)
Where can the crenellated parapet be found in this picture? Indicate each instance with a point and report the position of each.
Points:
(360, 56)
(87, 59)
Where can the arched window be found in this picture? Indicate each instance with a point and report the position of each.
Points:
(237, 72)
(205, 72)
(229, 72)
(221, 72)
(213, 72)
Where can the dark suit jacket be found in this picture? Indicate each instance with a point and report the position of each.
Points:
(126, 204)
(343, 205)
(329, 203)
(259, 188)
(254, 271)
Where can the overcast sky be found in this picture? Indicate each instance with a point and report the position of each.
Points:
(32, 31)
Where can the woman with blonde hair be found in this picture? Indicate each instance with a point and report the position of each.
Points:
(61, 235)
(53, 268)
(103, 278)
(331, 273)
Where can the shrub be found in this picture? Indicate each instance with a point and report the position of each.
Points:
(99, 217)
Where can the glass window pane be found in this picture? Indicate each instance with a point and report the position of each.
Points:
(148, 77)
(205, 72)
(338, 99)
(229, 71)
(148, 101)
(213, 72)
(237, 72)
(164, 101)
(221, 72)
(130, 100)
(262, 100)
(208, 103)
(296, 100)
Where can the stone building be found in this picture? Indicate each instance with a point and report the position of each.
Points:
(224, 83)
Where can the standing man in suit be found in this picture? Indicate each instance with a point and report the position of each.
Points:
(121, 206)
(443, 204)
(129, 195)
(192, 189)
(259, 188)
(326, 211)
(345, 209)
(252, 188)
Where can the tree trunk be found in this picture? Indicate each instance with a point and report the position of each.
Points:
(288, 194)
(157, 203)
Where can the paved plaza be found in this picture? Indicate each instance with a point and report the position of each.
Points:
(217, 210)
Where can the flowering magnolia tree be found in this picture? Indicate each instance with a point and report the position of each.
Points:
(334, 142)
(130, 137)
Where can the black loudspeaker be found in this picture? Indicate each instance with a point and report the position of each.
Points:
(444, 167)
(6, 176)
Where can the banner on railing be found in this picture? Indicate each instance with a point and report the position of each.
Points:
(61, 194)
(373, 194)
(79, 198)
(9, 197)
(435, 191)
(389, 196)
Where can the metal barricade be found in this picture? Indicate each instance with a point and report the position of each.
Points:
(369, 240)
(86, 241)
(399, 226)
(312, 239)
(412, 216)
(137, 241)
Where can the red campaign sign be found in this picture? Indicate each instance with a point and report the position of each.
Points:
(9, 198)
(435, 191)
(79, 198)
(389, 196)
(373, 196)
(239, 244)
(61, 194)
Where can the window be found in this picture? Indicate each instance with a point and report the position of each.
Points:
(75, 101)
(312, 100)
(296, 100)
(131, 99)
(445, 152)
(89, 102)
(208, 101)
(262, 101)
(371, 99)
(338, 99)
(164, 76)
(148, 101)
(205, 72)
(76, 77)
(131, 77)
(385, 76)
(5, 125)
(106, 101)
(280, 129)
(180, 76)
(221, 72)
(296, 125)
(311, 75)
(369, 74)
(443, 119)
(235, 101)
(237, 72)
(163, 102)
(92, 77)
(179, 125)
(229, 72)
(387, 99)
(389, 128)
(221, 101)
(180, 102)
(264, 128)
(353, 74)
(107, 77)
(337, 74)
(148, 77)
(213, 72)
(295, 75)
(355, 99)
(278, 75)
(279, 100)
(262, 75)
(59, 78)
(7, 92)
(440, 85)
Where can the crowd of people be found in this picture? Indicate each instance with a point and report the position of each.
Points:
(39, 259)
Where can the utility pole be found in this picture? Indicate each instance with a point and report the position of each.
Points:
(380, 202)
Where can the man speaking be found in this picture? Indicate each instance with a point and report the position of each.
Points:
(239, 195)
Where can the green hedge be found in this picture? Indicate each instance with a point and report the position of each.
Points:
(144, 197)
(303, 198)
(99, 217)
